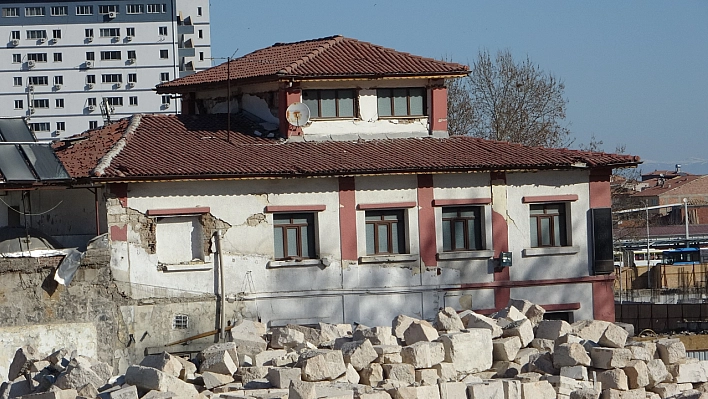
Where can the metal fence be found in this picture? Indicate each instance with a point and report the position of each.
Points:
(663, 318)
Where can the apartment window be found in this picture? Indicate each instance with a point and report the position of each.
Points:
(40, 103)
(90, 78)
(114, 101)
(16, 58)
(201, 34)
(61, 126)
(166, 100)
(15, 35)
(156, 8)
(11, 12)
(133, 77)
(201, 56)
(90, 56)
(34, 11)
(133, 100)
(462, 228)
(330, 103)
(109, 32)
(84, 10)
(385, 232)
(111, 78)
(93, 124)
(39, 126)
(17, 81)
(548, 225)
(59, 103)
(199, 11)
(110, 55)
(185, 235)
(58, 80)
(164, 76)
(56, 33)
(162, 31)
(36, 34)
(57, 57)
(91, 101)
(164, 54)
(294, 236)
(38, 80)
(37, 57)
(58, 11)
(130, 31)
(134, 8)
(107, 8)
(131, 54)
(88, 33)
(401, 102)
(19, 104)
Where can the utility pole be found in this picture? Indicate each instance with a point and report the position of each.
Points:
(228, 92)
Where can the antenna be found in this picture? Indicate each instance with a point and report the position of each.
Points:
(228, 92)
(298, 114)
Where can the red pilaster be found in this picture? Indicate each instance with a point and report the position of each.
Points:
(189, 106)
(603, 299)
(500, 236)
(426, 221)
(438, 110)
(288, 96)
(120, 191)
(347, 218)
(600, 194)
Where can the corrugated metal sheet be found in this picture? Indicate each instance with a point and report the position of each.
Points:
(700, 355)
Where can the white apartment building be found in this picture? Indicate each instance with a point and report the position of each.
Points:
(66, 63)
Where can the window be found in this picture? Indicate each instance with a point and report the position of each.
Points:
(548, 225)
(84, 10)
(156, 8)
(16, 58)
(19, 104)
(201, 34)
(133, 100)
(201, 56)
(107, 8)
(57, 11)
(385, 232)
(15, 35)
(37, 57)
(88, 33)
(110, 55)
(109, 32)
(93, 124)
(131, 54)
(58, 80)
(90, 56)
(179, 239)
(36, 34)
(130, 31)
(462, 228)
(401, 102)
(134, 9)
(294, 235)
(39, 126)
(162, 31)
(38, 80)
(133, 77)
(57, 57)
(56, 33)
(180, 322)
(164, 76)
(199, 11)
(11, 12)
(91, 79)
(61, 126)
(114, 101)
(34, 11)
(91, 101)
(166, 100)
(330, 103)
(40, 103)
(59, 103)
(111, 78)
(164, 54)
(17, 81)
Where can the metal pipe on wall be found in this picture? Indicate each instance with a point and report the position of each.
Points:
(222, 294)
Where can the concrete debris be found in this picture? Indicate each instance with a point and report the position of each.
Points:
(514, 354)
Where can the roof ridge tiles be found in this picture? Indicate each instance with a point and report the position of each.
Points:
(327, 43)
(118, 146)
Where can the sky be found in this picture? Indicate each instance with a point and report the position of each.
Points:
(635, 72)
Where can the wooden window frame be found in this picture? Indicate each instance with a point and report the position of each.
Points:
(355, 103)
(309, 228)
(408, 102)
(535, 222)
(400, 219)
(477, 223)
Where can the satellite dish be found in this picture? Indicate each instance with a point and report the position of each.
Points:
(298, 114)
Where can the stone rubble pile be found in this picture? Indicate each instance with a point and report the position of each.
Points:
(514, 354)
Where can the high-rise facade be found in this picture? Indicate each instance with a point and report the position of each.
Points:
(69, 65)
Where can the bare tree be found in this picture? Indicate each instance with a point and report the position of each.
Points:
(505, 100)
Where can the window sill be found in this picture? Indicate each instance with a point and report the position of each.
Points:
(193, 267)
(388, 258)
(294, 263)
(482, 254)
(402, 117)
(551, 251)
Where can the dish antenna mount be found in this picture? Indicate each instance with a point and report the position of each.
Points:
(298, 114)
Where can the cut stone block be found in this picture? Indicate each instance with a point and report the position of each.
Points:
(248, 374)
(284, 337)
(506, 369)
(129, 392)
(505, 349)
(541, 363)
(424, 355)
(213, 380)
(302, 390)
(690, 372)
(372, 375)
(219, 358)
(446, 371)
(163, 362)
(657, 372)
(570, 355)
(512, 389)
(521, 328)
(613, 337)
(375, 395)
(618, 394)
(585, 393)
(265, 358)
(352, 375)
(613, 379)
(248, 345)
(321, 365)
(524, 354)
(453, 390)
(312, 335)
(376, 335)
(608, 358)
(529, 309)
(400, 324)
(637, 374)
(359, 353)
(424, 392)
(400, 372)
(469, 352)
(579, 373)
(76, 376)
(474, 320)
(552, 329)
(334, 331)
(426, 376)
(640, 353)
(543, 345)
(21, 362)
(420, 331)
(148, 378)
(671, 350)
(388, 354)
(447, 319)
(486, 390)
(591, 330)
(280, 377)
(537, 390)
(665, 389)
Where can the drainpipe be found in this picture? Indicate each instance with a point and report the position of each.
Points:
(685, 211)
(222, 295)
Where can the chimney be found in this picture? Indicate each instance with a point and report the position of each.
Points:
(678, 168)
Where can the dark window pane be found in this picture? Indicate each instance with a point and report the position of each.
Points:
(395, 238)
(370, 238)
(447, 236)
(459, 234)
(534, 232)
(305, 247)
(545, 231)
(309, 98)
(383, 238)
(292, 242)
(279, 243)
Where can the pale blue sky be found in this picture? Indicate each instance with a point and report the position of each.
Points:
(636, 72)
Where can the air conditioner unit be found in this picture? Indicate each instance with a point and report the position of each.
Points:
(54, 40)
(129, 38)
(30, 87)
(116, 38)
(131, 60)
(91, 108)
(89, 39)
(15, 42)
(118, 85)
(112, 14)
(31, 110)
(42, 39)
(130, 84)
(89, 64)
(57, 86)
(30, 63)
(89, 85)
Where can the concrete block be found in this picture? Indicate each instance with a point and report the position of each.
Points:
(372, 375)
(486, 390)
(448, 320)
(359, 353)
(321, 365)
(453, 390)
(613, 337)
(424, 392)
(505, 349)
(575, 372)
(129, 392)
(280, 377)
(424, 355)
(521, 328)
(657, 372)
(671, 351)
(213, 380)
(613, 379)
(469, 352)
(446, 371)
(420, 331)
(405, 373)
(284, 337)
(608, 358)
(148, 378)
(426, 376)
(537, 390)
(552, 329)
(570, 355)
(474, 320)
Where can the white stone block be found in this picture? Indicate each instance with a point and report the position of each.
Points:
(505, 349)
(608, 358)
(372, 375)
(359, 353)
(400, 324)
(420, 331)
(280, 377)
(671, 350)
(493, 389)
(537, 390)
(469, 352)
(447, 319)
(657, 372)
(613, 337)
(424, 355)
(426, 376)
(453, 390)
(591, 330)
(613, 379)
(521, 328)
(552, 329)
(575, 372)
(637, 374)
(474, 320)
(424, 392)
(321, 365)
(400, 372)
(570, 355)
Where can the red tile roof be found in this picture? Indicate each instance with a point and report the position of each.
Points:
(666, 186)
(195, 146)
(334, 56)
